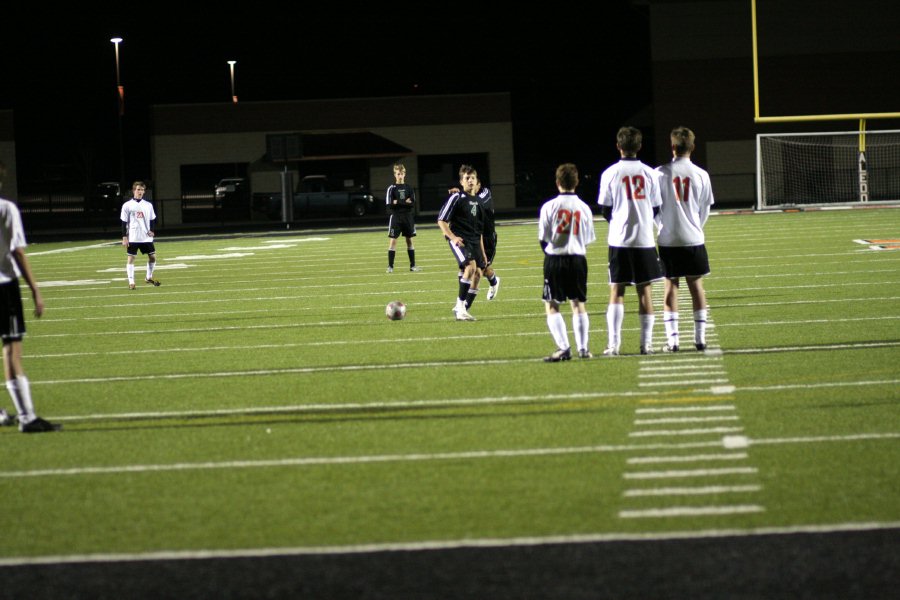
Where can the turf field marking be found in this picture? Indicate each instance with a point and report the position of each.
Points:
(687, 473)
(692, 491)
(690, 511)
(682, 382)
(666, 432)
(686, 420)
(428, 545)
(647, 460)
(682, 409)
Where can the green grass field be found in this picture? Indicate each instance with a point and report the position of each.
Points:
(260, 401)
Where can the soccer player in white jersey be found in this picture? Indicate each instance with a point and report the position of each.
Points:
(13, 264)
(686, 199)
(629, 200)
(565, 228)
(137, 232)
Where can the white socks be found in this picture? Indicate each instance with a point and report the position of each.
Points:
(150, 266)
(557, 326)
(615, 314)
(700, 326)
(20, 391)
(647, 322)
(670, 319)
(129, 269)
(580, 327)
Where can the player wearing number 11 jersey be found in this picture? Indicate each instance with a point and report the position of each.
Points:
(565, 228)
(629, 199)
(686, 199)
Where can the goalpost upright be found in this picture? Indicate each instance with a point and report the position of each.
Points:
(862, 161)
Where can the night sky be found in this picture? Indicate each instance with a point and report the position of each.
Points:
(574, 80)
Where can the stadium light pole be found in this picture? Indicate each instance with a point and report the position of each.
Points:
(120, 91)
(231, 64)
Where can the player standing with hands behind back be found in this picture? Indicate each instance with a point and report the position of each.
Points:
(629, 200)
(137, 232)
(686, 198)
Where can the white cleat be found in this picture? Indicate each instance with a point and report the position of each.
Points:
(492, 291)
(611, 351)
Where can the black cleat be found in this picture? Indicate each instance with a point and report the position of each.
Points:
(39, 425)
(152, 281)
(646, 350)
(585, 353)
(668, 348)
(559, 355)
(700, 347)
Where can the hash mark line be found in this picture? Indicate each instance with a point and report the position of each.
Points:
(685, 473)
(649, 460)
(658, 432)
(663, 367)
(714, 370)
(688, 382)
(692, 491)
(679, 409)
(690, 511)
(686, 420)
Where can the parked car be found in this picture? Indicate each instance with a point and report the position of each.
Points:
(317, 196)
(105, 197)
(232, 197)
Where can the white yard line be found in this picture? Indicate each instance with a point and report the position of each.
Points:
(692, 491)
(690, 511)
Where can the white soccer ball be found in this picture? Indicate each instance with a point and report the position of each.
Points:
(395, 310)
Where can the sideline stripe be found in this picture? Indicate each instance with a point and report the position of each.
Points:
(690, 511)
(428, 545)
(482, 454)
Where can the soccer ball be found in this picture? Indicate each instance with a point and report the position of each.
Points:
(395, 310)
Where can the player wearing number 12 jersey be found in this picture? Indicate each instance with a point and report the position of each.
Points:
(686, 199)
(629, 199)
(565, 228)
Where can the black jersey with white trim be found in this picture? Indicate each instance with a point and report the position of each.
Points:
(465, 216)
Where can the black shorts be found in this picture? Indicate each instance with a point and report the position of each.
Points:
(633, 265)
(565, 278)
(144, 247)
(684, 261)
(467, 253)
(12, 319)
(401, 223)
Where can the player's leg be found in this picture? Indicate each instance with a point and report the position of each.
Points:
(670, 314)
(411, 252)
(647, 316)
(698, 300)
(615, 314)
(581, 326)
(392, 244)
(129, 266)
(557, 326)
(491, 248)
(151, 264)
(465, 283)
(473, 288)
(19, 389)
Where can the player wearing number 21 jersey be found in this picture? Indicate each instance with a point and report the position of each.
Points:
(565, 228)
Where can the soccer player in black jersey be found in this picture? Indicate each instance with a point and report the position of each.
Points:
(461, 220)
(401, 202)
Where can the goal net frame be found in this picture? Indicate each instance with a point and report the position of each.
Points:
(836, 172)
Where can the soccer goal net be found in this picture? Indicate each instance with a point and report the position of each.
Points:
(804, 169)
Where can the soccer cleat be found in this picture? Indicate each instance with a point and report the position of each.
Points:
(131, 286)
(463, 315)
(585, 354)
(611, 351)
(559, 355)
(646, 350)
(6, 419)
(39, 425)
(390, 270)
(152, 281)
(415, 269)
(492, 291)
(700, 346)
(668, 348)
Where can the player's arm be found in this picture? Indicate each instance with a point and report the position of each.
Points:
(448, 233)
(125, 232)
(21, 260)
